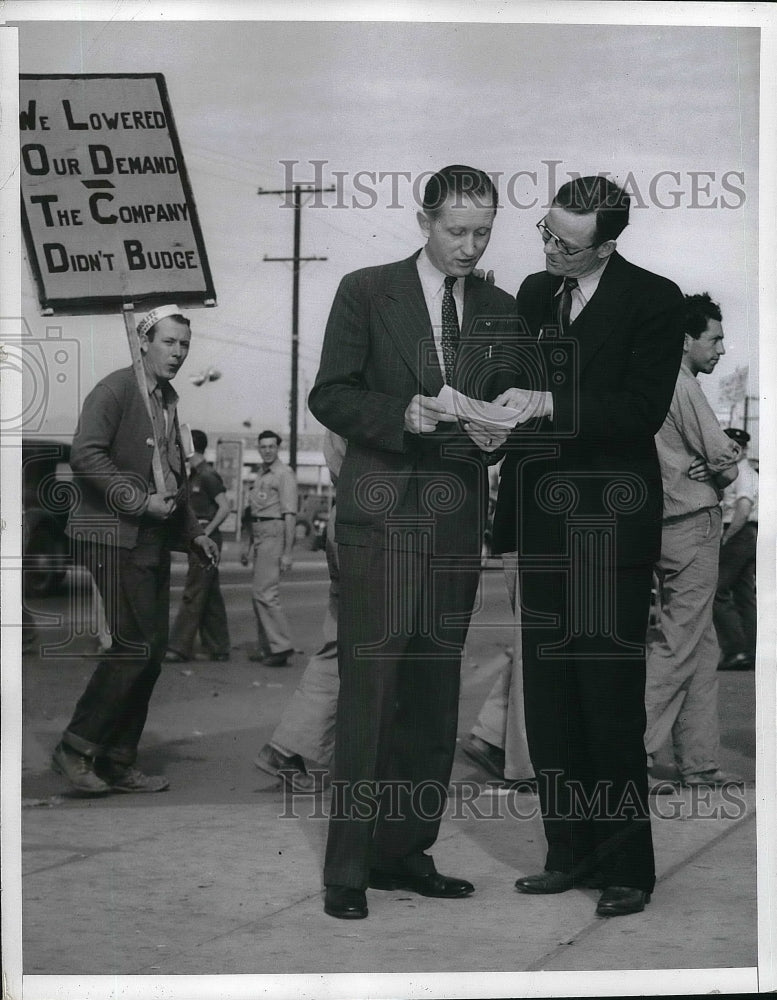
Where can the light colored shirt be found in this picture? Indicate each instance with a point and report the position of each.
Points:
(690, 431)
(164, 400)
(586, 286)
(744, 486)
(433, 285)
(274, 494)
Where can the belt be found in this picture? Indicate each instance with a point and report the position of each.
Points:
(674, 518)
(266, 518)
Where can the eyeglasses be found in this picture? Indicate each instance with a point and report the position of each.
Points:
(547, 236)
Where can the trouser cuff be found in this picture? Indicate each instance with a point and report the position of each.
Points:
(80, 745)
(125, 756)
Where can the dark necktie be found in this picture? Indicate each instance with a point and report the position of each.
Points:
(450, 328)
(565, 303)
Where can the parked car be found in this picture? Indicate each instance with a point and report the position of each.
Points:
(45, 506)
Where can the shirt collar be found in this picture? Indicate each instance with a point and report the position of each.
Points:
(432, 279)
(588, 283)
(167, 392)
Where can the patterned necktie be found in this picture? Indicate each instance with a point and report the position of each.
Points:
(450, 328)
(565, 303)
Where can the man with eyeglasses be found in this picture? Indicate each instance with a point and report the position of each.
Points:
(580, 503)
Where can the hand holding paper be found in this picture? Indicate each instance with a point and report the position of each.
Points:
(526, 403)
(490, 416)
(423, 413)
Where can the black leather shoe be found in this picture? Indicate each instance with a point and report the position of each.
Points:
(434, 885)
(345, 903)
(548, 882)
(620, 900)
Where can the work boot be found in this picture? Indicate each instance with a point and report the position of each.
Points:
(126, 778)
(78, 769)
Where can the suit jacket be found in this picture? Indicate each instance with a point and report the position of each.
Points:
(596, 459)
(378, 353)
(111, 457)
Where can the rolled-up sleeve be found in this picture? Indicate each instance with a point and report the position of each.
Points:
(287, 493)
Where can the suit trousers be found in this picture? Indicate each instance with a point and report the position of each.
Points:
(584, 688)
(202, 610)
(134, 584)
(402, 626)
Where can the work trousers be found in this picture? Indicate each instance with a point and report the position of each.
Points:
(202, 610)
(502, 721)
(735, 610)
(681, 696)
(135, 587)
(307, 725)
(271, 624)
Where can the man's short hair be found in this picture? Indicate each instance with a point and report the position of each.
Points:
(699, 310)
(200, 441)
(584, 195)
(459, 182)
(269, 434)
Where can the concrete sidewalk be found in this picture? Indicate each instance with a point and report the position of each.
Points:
(216, 890)
(218, 878)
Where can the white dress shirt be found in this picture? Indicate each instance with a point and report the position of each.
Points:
(586, 286)
(433, 285)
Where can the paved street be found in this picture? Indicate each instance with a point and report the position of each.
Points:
(216, 875)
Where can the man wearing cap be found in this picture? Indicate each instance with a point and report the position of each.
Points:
(123, 529)
(734, 611)
(271, 516)
(697, 461)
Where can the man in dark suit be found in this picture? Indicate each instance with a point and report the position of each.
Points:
(123, 529)
(411, 502)
(580, 501)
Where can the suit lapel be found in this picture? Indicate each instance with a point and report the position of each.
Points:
(598, 321)
(402, 308)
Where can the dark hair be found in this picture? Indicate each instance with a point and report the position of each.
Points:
(699, 310)
(584, 195)
(177, 318)
(459, 182)
(269, 434)
(200, 441)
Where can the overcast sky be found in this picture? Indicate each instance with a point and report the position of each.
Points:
(547, 99)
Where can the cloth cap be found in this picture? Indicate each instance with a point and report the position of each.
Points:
(741, 437)
(154, 317)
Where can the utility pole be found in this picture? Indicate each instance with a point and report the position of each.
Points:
(297, 191)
